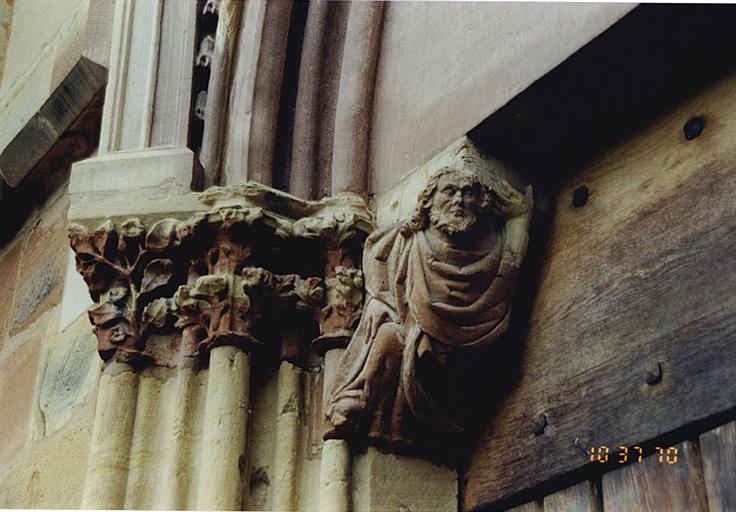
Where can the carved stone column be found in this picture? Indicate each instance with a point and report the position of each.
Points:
(232, 300)
(107, 470)
(335, 476)
(337, 321)
(250, 279)
(286, 458)
(226, 420)
(344, 290)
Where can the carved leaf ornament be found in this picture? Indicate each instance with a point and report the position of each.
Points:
(233, 275)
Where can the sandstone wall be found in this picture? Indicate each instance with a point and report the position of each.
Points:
(49, 378)
(45, 41)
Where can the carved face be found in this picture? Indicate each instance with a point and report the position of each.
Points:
(455, 205)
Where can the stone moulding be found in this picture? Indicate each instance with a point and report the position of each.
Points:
(256, 268)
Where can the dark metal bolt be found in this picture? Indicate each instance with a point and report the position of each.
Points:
(579, 445)
(540, 423)
(580, 196)
(653, 374)
(693, 127)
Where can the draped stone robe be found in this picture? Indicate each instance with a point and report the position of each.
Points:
(426, 298)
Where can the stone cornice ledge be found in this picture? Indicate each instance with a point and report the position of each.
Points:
(283, 211)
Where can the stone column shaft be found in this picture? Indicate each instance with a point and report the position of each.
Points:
(141, 484)
(107, 468)
(177, 471)
(225, 426)
(335, 471)
(335, 477)
(286, 458)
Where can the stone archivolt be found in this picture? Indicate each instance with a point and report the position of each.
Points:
(259, 270)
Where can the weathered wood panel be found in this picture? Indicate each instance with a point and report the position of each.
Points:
(582, 497)
(718, 451)
(642, 274)
(657, 486)
(532, 506)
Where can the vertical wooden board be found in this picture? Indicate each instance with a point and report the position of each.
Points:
(718, 451)
(655, 486)
(532, 506)
(642, 274)
(582, 497)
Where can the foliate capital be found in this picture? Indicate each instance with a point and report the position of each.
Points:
(252, 268)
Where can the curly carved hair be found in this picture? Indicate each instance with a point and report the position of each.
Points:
(420, 218)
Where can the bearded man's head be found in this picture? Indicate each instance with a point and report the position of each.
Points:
(454, 201)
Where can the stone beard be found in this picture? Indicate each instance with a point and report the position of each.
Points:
(440, 282)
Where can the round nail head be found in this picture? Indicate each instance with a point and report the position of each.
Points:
(693, 127)
(580, 196)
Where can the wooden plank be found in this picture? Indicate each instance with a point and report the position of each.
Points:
(718, 451)
(582, 497)
(532, 506)
(655, 485)
(642, 274)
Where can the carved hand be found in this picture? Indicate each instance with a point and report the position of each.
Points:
(517, 229)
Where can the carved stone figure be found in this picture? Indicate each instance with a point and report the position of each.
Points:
(439, 282)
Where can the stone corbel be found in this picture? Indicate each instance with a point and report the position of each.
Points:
(440, 273)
